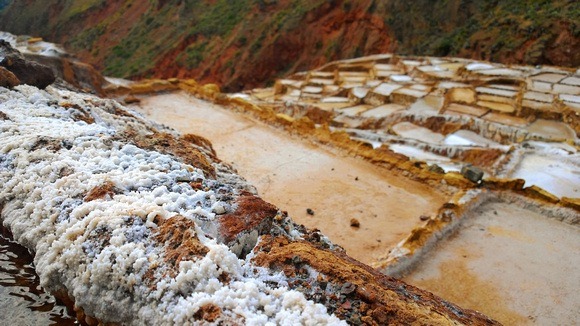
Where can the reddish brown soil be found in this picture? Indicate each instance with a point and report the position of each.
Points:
(251, 211)
(101, 191)
(180, 242)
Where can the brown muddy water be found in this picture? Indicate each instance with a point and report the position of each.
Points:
(22, 300)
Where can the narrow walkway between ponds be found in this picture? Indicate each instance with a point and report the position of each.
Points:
(295, 174)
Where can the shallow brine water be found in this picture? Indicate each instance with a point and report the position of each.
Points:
(22, 300)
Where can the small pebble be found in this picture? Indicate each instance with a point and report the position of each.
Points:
(347, 288)
(354, 223)
(219, 209)
(423, 217)
(309, 211)
(346, 305)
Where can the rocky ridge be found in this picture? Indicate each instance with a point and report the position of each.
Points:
(62, 66)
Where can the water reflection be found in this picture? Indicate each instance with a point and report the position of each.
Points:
(22, 300)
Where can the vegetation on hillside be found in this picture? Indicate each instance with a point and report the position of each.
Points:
(4, 3)
(246, 43)
(492, 30)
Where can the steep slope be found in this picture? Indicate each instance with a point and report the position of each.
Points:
(247, 43)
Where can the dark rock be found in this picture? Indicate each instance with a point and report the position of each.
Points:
(347, 288)
(309, 211)
(28, 72)
(472, 173)
(354, 223)
(423, 217)
(436, 169)
(7, 78)
(80, 75)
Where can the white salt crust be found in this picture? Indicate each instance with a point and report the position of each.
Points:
(99, 251)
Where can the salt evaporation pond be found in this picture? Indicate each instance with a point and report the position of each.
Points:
(506, 261)
(417, 154)
(556, 174)
(552, 129)
(468, 138)
(411, 131)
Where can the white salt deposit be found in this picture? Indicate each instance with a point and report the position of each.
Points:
(468, 138)
(418, 154)
(412, 131)
(558, 174)
(99, 251)
(401, 78)
(478, 66)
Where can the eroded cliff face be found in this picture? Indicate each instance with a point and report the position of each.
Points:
(246, 44)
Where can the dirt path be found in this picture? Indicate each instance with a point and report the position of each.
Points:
(510, 263)
(295, 175)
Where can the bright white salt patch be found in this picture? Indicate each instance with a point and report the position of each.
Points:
(335, 99)
(118, 81)
(401, 78)
(360, 92)
(478, 66)
(386, 89)
(450, 166)
(468, 138)
(554, 148)
(557, 174)
(418, 154)
(383, 110)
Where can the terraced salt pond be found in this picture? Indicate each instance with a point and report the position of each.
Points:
(468, 138)
(552, 129)
(411, 131)
(559, 175)
(509, 262)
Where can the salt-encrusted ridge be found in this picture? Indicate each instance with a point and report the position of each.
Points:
(101, 251)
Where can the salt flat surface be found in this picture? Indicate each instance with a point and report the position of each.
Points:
(513, 264)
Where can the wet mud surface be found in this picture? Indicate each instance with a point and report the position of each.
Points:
(22, 299)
